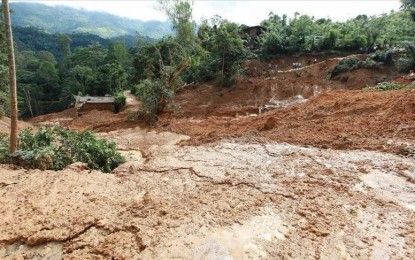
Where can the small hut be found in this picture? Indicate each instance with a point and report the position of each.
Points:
(251, 34)
(88, 103)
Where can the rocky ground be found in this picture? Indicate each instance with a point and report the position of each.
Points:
(330, 177)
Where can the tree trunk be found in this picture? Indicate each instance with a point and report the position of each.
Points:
(12, 76)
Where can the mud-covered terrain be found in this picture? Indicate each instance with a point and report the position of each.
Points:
(328, 175)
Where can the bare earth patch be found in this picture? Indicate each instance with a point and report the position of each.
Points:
(330, 177)
(223, 200)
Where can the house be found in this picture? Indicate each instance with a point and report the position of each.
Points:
(88, 103)
(251, 34)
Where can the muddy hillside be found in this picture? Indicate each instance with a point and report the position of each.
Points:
(286, 164)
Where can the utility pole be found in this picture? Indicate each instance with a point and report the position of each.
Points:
(12, 76)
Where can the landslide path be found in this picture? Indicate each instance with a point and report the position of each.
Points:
(342, 119)
(330, 177)
(222, 200)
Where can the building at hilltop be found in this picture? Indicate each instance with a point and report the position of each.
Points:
(250, 35)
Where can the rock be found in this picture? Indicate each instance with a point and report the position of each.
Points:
(78, 167)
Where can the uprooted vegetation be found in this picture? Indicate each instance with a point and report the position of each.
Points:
(55, 148)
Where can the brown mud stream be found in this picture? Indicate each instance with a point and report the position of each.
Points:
(223, 200)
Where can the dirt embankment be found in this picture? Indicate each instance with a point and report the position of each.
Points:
(372, 120)
(5, 125)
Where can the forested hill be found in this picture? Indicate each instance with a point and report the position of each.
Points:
(64, 19)
(34, 39)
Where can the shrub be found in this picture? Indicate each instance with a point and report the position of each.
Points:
(119, 101)
(154, 95)
(383, 56)
(404, 65)
(345, 65)
(389, 86)
(57, 147)
(407, 62)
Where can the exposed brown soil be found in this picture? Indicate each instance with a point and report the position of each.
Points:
(328, 174)
(5, 125)
(338, 119)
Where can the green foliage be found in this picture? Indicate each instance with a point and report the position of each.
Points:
(345, 65)
(389, 86)
(4, 79)
(180, 15)
(383, 56)
(56, 148)
(64, 19)
(40, 139)
(154, 95)
(408, 4)
(374, 61)
(4, 103)
(4, 144)
(407, 62)
(223, 51)
(91, 56)
(119, 101)
(228, 49)
(303, 33)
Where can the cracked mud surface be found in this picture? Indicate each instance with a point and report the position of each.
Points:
(244, 188)
(225, 200)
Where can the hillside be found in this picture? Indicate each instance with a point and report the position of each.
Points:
(330, 177)
(33, 39)
(70, 20)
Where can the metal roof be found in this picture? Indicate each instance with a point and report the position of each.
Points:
(90, 99)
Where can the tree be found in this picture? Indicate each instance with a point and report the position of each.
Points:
(302, 28)
(65, 47)
(117, 51)
(111, 78)
(227, 49)
(92, 56)
(47, 56)
(180, 14)
(4, 80)
(12, 76)
(48, 79)
(274, 38)
(407, 4)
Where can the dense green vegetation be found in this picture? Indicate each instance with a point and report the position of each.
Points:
(4, 82)
(68, 65)
(304, 33)
(56, 148)
(33, 39)
(70, 20)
